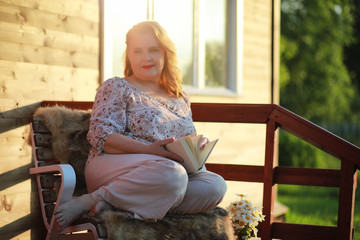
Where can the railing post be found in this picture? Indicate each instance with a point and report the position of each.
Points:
(348, 181)
(269, 187)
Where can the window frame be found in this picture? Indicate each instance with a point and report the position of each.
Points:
(234, 49)
(234, 41)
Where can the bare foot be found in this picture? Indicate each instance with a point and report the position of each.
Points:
(68, 212)
(99, 208)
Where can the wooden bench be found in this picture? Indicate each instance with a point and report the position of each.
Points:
(56, 183)
(270, 174)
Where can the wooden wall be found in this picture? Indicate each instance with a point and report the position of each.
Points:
(49, 50)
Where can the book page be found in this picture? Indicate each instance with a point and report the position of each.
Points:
(188, 148)
(181, 148)
(190, 142)
(204, 153)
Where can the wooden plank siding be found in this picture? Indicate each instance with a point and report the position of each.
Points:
(48, 50)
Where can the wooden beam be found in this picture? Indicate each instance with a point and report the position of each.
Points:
(73, 105)
(233, 172)
(269, 192)
(307, 176)
(302, 231)
(348, 180)
(239, 113)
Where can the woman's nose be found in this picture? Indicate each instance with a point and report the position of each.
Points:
(147, 55)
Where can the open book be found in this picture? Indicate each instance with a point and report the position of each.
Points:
(188, 148)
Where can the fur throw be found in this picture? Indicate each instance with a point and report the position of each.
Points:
(211, 225)
(69, 128)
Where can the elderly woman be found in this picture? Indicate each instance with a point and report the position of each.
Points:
(133, 119)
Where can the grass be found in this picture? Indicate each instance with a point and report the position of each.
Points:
(315, 205)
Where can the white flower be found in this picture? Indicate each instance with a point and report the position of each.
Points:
(245, 217)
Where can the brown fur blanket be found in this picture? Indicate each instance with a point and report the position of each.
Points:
(211, 225)
(69, 128)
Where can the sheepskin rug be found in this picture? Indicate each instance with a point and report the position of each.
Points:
(69, 128)
(211, 225)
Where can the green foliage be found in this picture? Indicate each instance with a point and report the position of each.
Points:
(316, 84)
(352, 51)
(314, 80)
(215, 66)
(298, 153)
(215, 63)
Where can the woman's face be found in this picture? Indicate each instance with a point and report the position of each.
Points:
(146, 56)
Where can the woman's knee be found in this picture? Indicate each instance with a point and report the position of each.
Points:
(173, 178)
(213, 187)
(219, 187)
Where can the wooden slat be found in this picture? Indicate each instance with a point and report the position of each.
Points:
(43, 140)
(244, 113)
(39, 125)
(37, 37)
(48, 181)
(47, 163)
(84, 9)
(290, 231)
(238, 172)
(41, 74)
(26, 83)
(49, 195)
(44, 153)
(307, 176)
(49, 210)
(17, 52)
(81, 105)
(46, 20)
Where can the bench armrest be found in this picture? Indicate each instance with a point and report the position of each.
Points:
(68, 179)
(65, 193)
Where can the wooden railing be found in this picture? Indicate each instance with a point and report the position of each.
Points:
(275, 116)
(270, 174)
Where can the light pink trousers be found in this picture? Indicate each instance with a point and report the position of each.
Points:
(150, 185)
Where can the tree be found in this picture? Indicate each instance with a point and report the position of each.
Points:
(314, 33)
(352, 61)
(314, 80)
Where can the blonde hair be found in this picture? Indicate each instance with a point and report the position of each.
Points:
(170, 77)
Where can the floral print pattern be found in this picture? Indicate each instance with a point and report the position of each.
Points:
(119, 107)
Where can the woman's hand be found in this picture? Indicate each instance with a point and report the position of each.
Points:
(158, 148)
(204, 141)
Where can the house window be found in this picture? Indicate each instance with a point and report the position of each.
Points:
(205, 32)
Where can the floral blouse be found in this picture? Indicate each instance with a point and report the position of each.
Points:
(119, 107)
